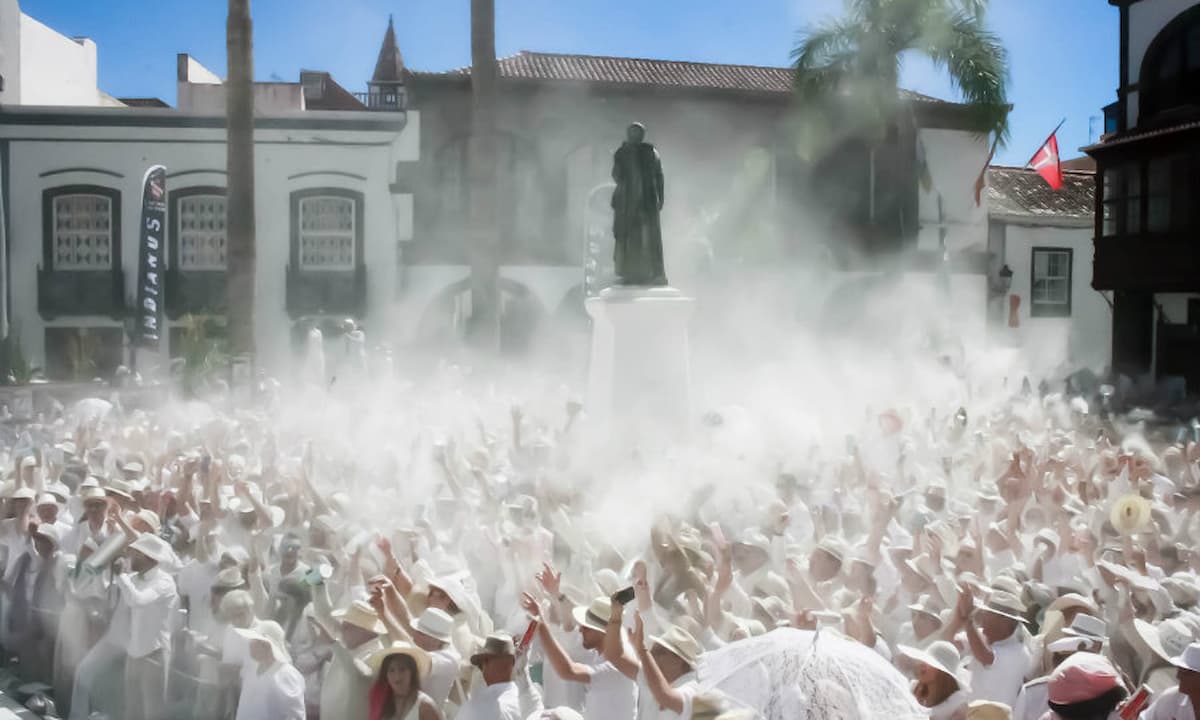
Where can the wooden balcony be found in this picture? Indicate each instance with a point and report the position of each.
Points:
(1157, 263)
(81, 292)
(327, 292)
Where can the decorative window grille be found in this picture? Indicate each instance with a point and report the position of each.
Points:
(82, 232)
(327, 233)
(202, 233)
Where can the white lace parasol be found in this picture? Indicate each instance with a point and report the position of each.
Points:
(801, 675)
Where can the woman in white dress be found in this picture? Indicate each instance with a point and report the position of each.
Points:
(396, 694)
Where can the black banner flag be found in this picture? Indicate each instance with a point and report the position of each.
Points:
(149, 311)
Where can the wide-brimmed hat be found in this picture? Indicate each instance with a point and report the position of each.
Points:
(1130, 514)
(926, 606)
(150, 518)
(496, 645)
(1073, 600)
(361, 615)
(1167, 640)
(1087, 626)
(119, 488)
(1004, 604)
(155, 548)
(594, 616)
(1189, 659)
(679, 642)
(941, 656)
(453, 586)
(24, 493)
(229, 579)
(924, 565)
(46, 499)
(89, 494)
(419, 656)
(435, 623)
(271, 633)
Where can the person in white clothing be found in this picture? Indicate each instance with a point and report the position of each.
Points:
(939, 683)
(432, 632)
(396, 693)
(667, 672)
(612, 694)
(500, 699)
(150, 594)
(1180, 702)
(999, 659)
(271, 686)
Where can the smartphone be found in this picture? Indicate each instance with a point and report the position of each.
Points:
(623, 597)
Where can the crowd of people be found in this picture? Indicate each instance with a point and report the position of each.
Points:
(1033, 561)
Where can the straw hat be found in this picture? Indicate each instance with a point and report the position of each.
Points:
(436, 624)
(155, 548)
(269, 632)
(680, 643)
(1005, 604)
(1167, 640)
(419, 656)
(119, 488)
(24, 494)
(941, 656)
(1072, 601)
(229, 579)
(361, 615)
(595, 616)
(1087, 626)
(1189, 659)
(926, 606)
(987, 710)
(1130, 514)
(46, 499)
(497, 645)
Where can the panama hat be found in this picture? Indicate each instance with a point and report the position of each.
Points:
(679, 642)
(269, 632)
(1072, 601)
(595, 616)
(436, 624)
(419, 656)
(120, 488)
(155, 548)
(24, 494)
(496, 645)
(924, 565)
(229, 579)
(988, 710)
(926, 606)
(1005, 604)
(1167, 640)
(1189, 659)
(46, 499)
(361, 615)
(1087, 626)
(941, 656)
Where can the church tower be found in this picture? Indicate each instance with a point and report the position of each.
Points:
(386, 90)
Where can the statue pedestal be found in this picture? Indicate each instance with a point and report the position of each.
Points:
(640, 375)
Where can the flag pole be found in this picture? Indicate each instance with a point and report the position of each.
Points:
(1035, 152)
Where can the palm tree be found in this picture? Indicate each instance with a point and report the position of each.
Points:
(483, 236)
(852, 65)
(239, 143)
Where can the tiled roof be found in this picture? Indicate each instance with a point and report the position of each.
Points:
(1135, 135)
(552, 67)
(322, 92)
(1019, 192)
(143, 102)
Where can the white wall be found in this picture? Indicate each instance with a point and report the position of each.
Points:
(1146, 19)
(278, 155)
(269, 98)
(955, 159)
(1082, 340)
(56, 70)
(10, 52)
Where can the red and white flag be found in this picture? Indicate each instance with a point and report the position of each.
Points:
(1047, 163)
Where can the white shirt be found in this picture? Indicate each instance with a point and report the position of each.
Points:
(648, 707)
(1171, 705)
(501, 701)
(443, 671)
(151, 599)
(1033, 701)
(610, 695)
(952, 707)
(277, 694)
(195, 583)
(1002, 680)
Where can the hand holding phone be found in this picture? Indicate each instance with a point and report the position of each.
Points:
(623, 597)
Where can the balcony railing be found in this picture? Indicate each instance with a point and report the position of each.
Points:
(386, 101)
(81, 292)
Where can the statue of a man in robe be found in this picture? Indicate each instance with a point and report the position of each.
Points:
(637, 201)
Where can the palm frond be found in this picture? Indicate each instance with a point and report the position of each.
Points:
(976, 62)
(823, 57)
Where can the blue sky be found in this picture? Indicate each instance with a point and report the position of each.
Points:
(1063, 52)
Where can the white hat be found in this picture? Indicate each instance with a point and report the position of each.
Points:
(419, 656)
(48, 531)
(1005, 604)
(47, 499)
(1189, 659)
(1168, 639)
(680, 643)
(24, 494)
(926, 606)
(155, 548)
(436, 624)
(361, 615)
(941, 656)
(1088, 627)
(595, 616)
(271, 633)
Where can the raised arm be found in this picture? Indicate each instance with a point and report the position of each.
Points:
(614, 644)
(566, 668)
(666, 696)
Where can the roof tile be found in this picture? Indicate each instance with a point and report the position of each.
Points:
(1018, 191)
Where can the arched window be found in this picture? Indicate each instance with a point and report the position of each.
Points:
(327, 230)
(1170, 76)
(198, 227)
(81, 228)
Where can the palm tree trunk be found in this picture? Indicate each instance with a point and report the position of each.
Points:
(483, 235)
(239, 129)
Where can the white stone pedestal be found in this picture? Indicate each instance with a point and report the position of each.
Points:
(640, 376)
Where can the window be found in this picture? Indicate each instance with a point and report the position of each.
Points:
(200, 224)
(82, 232)
(1051, 282)
(1158, 194)
(1122, 200)
(1170, 75)
(327, 233)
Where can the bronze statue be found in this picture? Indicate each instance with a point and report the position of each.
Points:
(637, 201)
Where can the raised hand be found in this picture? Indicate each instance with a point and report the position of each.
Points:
(550, 580)
(638, 636)
(531, 606)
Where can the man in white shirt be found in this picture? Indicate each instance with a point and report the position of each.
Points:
(1180, 702)
(668, 677)
(998, 657)
(500, 698)
(271, 686)
(150, 594)
(612, 694)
